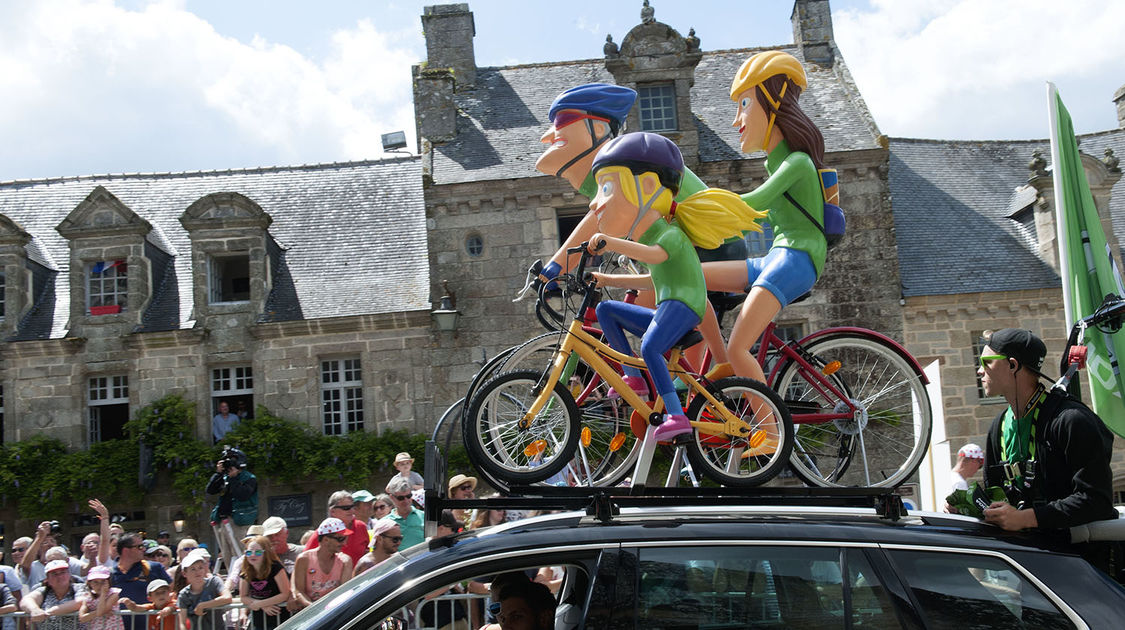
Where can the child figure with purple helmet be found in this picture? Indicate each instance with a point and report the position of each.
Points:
(638, 176)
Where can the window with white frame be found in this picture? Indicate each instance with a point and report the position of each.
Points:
(229, 278)
(657, 107)
(108, 400)
(341, 396)
(233, 385)
(107, 287)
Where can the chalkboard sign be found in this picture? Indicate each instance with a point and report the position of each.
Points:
(296, 509)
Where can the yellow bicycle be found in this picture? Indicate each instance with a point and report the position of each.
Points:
(525, 426)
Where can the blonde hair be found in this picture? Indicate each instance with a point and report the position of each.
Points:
(708, 217)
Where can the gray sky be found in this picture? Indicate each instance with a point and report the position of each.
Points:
(100, 86)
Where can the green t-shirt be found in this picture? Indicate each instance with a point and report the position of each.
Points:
(679, 277)
(795, 173)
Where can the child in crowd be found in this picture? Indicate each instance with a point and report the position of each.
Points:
(99, 608)
(160, 599)
(202, 593)
(403, 463)
(264, 585)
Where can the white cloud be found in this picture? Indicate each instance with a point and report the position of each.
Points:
(160, 89)
(970, 69)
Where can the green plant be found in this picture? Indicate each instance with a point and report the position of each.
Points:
(43, 479)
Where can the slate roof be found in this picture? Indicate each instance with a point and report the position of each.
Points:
(952, 201)
(350, 237)
(502, 118)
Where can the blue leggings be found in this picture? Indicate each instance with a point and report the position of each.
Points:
(659, 331)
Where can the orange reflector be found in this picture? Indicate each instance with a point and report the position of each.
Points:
(586, 437)
(535, 448)
(831, 368)
(756, 438)
(617, 442)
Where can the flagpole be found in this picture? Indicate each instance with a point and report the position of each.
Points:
(1060, 211)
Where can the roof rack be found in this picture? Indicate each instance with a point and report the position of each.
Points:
(606, 503)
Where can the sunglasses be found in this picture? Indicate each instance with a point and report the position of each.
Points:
(382, 506)
(346, 507)
(255, 553)
(401, 497)
(187, 549)
(19, 549)
(990, 357)
(339, 539)
(394, 539)
(562, 119)
(467, 487)
(158, 554)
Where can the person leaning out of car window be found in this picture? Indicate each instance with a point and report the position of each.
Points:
(1047, 450)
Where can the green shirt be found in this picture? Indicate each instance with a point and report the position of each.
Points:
(679, 277)
(795, 173)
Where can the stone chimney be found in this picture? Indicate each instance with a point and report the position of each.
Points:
(449, 32)
(812, 31)
(1119, 101)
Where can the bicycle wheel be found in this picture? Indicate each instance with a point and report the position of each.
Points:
(886, 439)
(744, 461)
(608, 446)
(498, 446)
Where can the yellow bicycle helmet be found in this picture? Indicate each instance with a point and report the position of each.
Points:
(764, 65)
(760, 67)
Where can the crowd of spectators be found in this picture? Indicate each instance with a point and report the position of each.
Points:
(163, 584)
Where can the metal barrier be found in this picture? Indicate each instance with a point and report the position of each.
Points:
(461, 608)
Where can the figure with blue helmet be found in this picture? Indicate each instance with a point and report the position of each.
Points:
(637, 178)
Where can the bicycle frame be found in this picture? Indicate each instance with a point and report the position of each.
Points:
(813, 375)
(591, 350)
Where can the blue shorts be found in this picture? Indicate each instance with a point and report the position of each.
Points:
(786, 273)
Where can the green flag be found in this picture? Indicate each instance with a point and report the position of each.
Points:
(1087, 267)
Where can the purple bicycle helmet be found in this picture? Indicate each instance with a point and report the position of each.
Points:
(601, 99)
(644, 152)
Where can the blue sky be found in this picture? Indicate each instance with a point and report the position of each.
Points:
(97, 86)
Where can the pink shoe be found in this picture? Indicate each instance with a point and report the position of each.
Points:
(636, 383)
(674, 425)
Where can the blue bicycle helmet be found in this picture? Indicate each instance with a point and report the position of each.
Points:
(644, 152)
(602, 99)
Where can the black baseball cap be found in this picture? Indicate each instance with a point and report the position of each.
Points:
(1022, 345)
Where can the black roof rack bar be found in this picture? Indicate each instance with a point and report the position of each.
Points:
(604, 503)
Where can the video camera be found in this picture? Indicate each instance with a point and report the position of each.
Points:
(232, 458)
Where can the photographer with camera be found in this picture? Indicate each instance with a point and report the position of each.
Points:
(237, 508)
(35, 558)
(1047, 450)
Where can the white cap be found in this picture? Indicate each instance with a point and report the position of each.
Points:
(195, 556)
(273, 525)
(971, 451)
(155, 584)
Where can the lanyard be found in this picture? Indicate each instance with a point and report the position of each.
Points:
(1018, 437)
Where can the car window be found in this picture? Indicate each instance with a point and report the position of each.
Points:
(760, 587)
(959, 591)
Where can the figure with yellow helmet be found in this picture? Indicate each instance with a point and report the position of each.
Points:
(766, 90)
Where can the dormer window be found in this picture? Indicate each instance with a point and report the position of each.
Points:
(107, 287)
(229, 278)
(657, 106)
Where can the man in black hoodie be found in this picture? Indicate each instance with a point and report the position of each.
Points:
(1049, 450)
